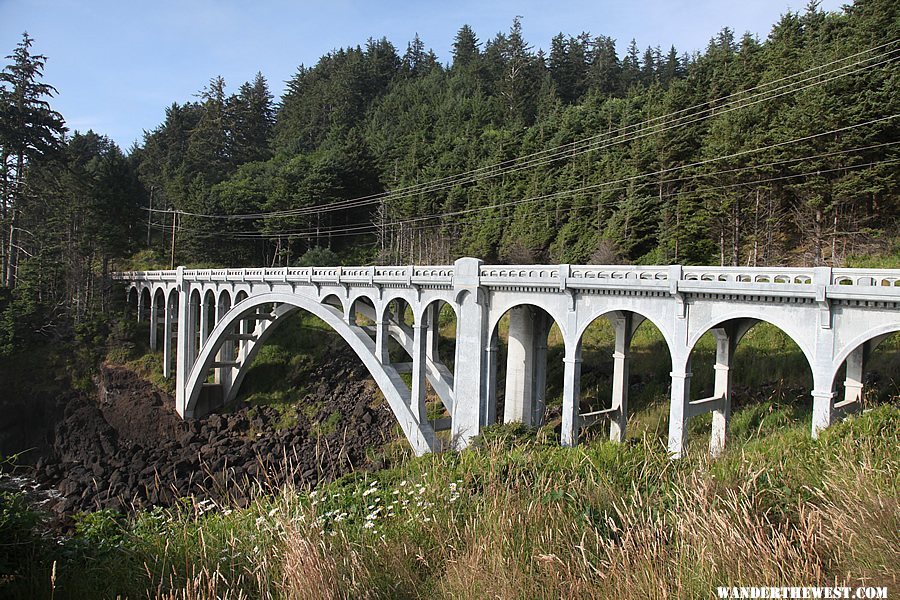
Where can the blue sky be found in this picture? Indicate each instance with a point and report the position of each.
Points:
(118, 63)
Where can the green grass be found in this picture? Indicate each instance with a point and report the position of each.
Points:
(515, 516)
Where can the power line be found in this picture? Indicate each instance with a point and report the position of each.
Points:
(686, 193)
(468, 177)
(359, 228)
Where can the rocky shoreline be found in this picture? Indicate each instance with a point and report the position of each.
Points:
(126, 449)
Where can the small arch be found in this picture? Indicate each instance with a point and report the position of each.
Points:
(158, 310)
(769, 359)
(195, 305)
(525, 363)
(131, 302)
(398, 310)
(223, 304)
(146, 302)
(363, 314)
(334, 301)
(209, 312)
(625, 366)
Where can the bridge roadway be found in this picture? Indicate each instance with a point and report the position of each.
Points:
(214, 322)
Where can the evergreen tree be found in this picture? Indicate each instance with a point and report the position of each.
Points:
(251, 116)
(465, 48)
(29, 129)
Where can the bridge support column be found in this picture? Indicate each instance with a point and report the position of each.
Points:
(621, 355)
(417, 398)
(224, 375)
(244, 329)
(154, 323)
(185, 354)
(539, 380)
(204, 322)
(571, 396)
(491, 379)
(470, 391)
(681, 395)
(853, 381)
(823, 369)
(168, 321)
(140, 306)
(381, 341)
(823, 410)
(520, 361)
(432, 321)
(725, 345)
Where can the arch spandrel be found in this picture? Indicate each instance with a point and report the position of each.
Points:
(884, 329)
(802, 334)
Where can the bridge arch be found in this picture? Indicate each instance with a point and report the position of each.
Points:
(419, 434)
(335, 301)
(146, 297)
(853, 361)
(727, 332)
(132, 301)
(223, 302)
(617, 309)
(525, 384)
(611, 373)
(881, 331)
(786, 322)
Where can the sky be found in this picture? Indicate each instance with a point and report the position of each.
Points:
(117, 64)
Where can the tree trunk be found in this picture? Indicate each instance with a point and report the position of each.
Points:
(12, 252)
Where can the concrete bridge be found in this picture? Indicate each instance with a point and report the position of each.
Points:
(214, 322)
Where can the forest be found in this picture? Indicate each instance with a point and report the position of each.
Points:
(780, 151)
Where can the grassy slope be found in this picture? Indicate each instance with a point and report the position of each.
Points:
(522, 517)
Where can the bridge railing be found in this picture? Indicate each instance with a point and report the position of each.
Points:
(866, 277)
(804, 282)
(750, 275)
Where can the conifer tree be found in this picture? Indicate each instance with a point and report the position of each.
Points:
(29, 129)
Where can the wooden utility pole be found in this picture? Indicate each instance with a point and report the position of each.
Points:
(174, 215)
(149, 216)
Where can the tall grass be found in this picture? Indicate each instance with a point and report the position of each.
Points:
(519, 517)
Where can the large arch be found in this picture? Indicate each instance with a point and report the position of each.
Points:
(625, 323)
(727, 331)
(419, 434)
(525, 382)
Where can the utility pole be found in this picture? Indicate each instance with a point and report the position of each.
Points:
(174, 215)
(149, 216)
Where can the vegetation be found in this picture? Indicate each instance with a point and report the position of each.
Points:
(516, 516)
